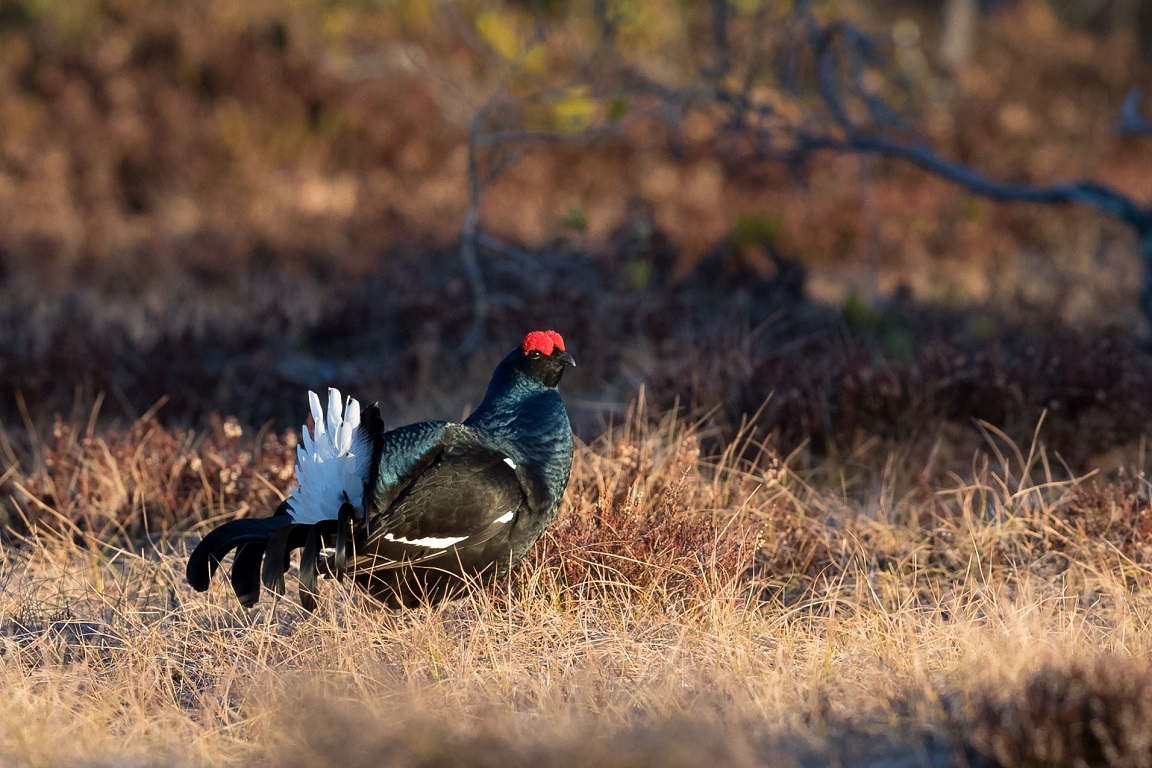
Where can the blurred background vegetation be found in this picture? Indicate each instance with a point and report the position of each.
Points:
(211, 138)
(216, 203)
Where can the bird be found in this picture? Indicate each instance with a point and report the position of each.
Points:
(418, 513)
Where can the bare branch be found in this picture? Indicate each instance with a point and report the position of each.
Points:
(1132, 123)
(841, 55)
(1088, 193)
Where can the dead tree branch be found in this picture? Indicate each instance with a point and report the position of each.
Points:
(1132, 123)
(841, 54)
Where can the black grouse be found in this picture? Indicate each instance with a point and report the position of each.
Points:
(418, 512)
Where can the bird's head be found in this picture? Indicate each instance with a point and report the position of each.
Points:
(542, 358)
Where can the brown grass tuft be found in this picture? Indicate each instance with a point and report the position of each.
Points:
(644, 498)
(126, 485)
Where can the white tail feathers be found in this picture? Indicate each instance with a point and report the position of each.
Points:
(332, 463)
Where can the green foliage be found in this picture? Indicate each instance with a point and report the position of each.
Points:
(72, 20)
(637, 274)
(859, 314)
(864, 318)
(974, 208)
(617, 106)
(755, 229)
(575, 219)
(574, 110)
(509, 33)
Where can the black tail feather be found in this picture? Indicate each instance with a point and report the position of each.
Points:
(246, 573)
(276, 560)
(309, 556)
(213, 548)
(343, 530)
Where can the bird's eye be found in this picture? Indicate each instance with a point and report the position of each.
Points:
(534, 354)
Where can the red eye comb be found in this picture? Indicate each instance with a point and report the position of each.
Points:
(543, 342)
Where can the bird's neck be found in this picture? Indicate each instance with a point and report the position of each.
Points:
(505, 409)
(526, 413)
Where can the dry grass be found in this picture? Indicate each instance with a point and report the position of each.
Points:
(686, 610)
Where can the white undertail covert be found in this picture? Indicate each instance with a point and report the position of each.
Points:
(332, 463)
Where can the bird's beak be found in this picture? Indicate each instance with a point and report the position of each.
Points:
(567, 359)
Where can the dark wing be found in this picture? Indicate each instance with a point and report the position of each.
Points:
(400, 456)
(463, 492)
